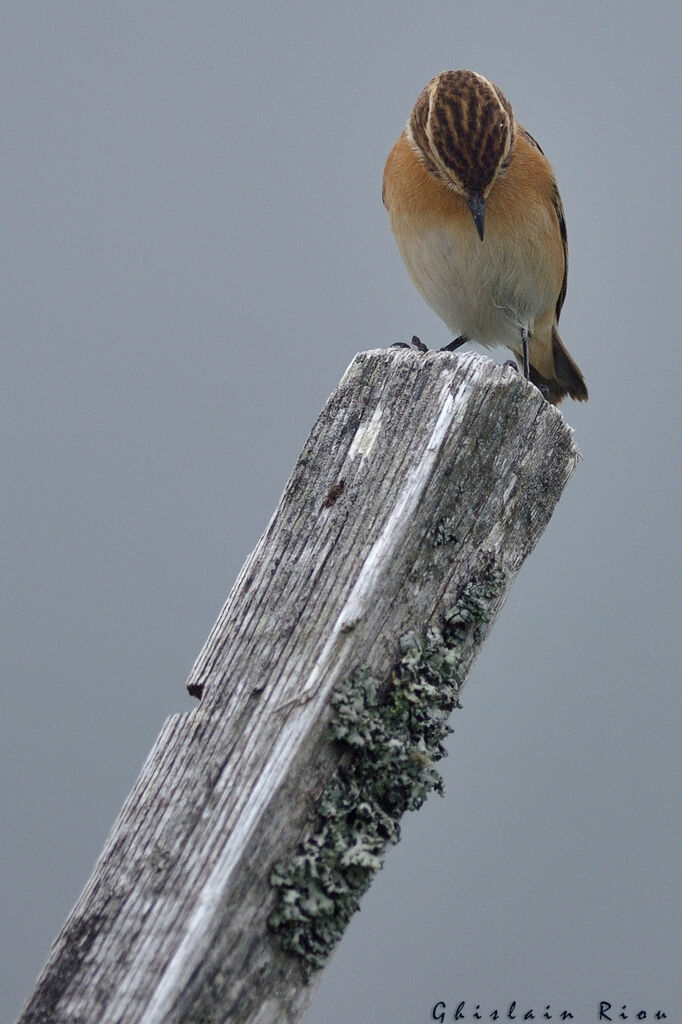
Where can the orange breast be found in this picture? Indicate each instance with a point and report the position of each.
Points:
(487, 290)
(411, 190)
(520, 203)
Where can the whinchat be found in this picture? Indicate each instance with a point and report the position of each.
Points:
(478, 219)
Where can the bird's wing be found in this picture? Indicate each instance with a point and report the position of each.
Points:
(559, 210)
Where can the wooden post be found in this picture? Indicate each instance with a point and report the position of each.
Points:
(260, 817)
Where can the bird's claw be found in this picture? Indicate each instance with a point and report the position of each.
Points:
(415, 343)
(542, 388)
(421, 347)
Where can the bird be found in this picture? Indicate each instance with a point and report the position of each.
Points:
(476, 212)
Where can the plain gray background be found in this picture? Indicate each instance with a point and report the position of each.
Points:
(193, 249)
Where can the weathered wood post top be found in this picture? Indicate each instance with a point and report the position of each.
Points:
(261, 816)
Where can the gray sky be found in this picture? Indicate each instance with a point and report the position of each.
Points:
(194, 247)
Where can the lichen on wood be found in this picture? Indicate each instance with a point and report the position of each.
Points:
(392, 733)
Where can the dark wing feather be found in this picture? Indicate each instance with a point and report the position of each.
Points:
(559, 210)
(533, 142)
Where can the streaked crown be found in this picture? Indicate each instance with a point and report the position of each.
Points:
(462, 128)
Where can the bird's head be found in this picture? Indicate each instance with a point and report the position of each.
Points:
(462, 129)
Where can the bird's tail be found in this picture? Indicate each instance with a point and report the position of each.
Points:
(567, 379)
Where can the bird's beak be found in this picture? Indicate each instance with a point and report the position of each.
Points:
(476, 204)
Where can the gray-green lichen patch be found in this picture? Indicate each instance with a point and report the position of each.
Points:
(444, 532)
(392, 732)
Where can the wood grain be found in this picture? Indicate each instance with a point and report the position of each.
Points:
(419, 470)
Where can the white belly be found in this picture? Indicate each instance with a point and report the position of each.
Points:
(486, 291)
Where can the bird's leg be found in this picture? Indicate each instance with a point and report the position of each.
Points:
(452, 345)
(525, 338)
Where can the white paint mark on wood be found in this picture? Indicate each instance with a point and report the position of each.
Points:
(366, 435)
